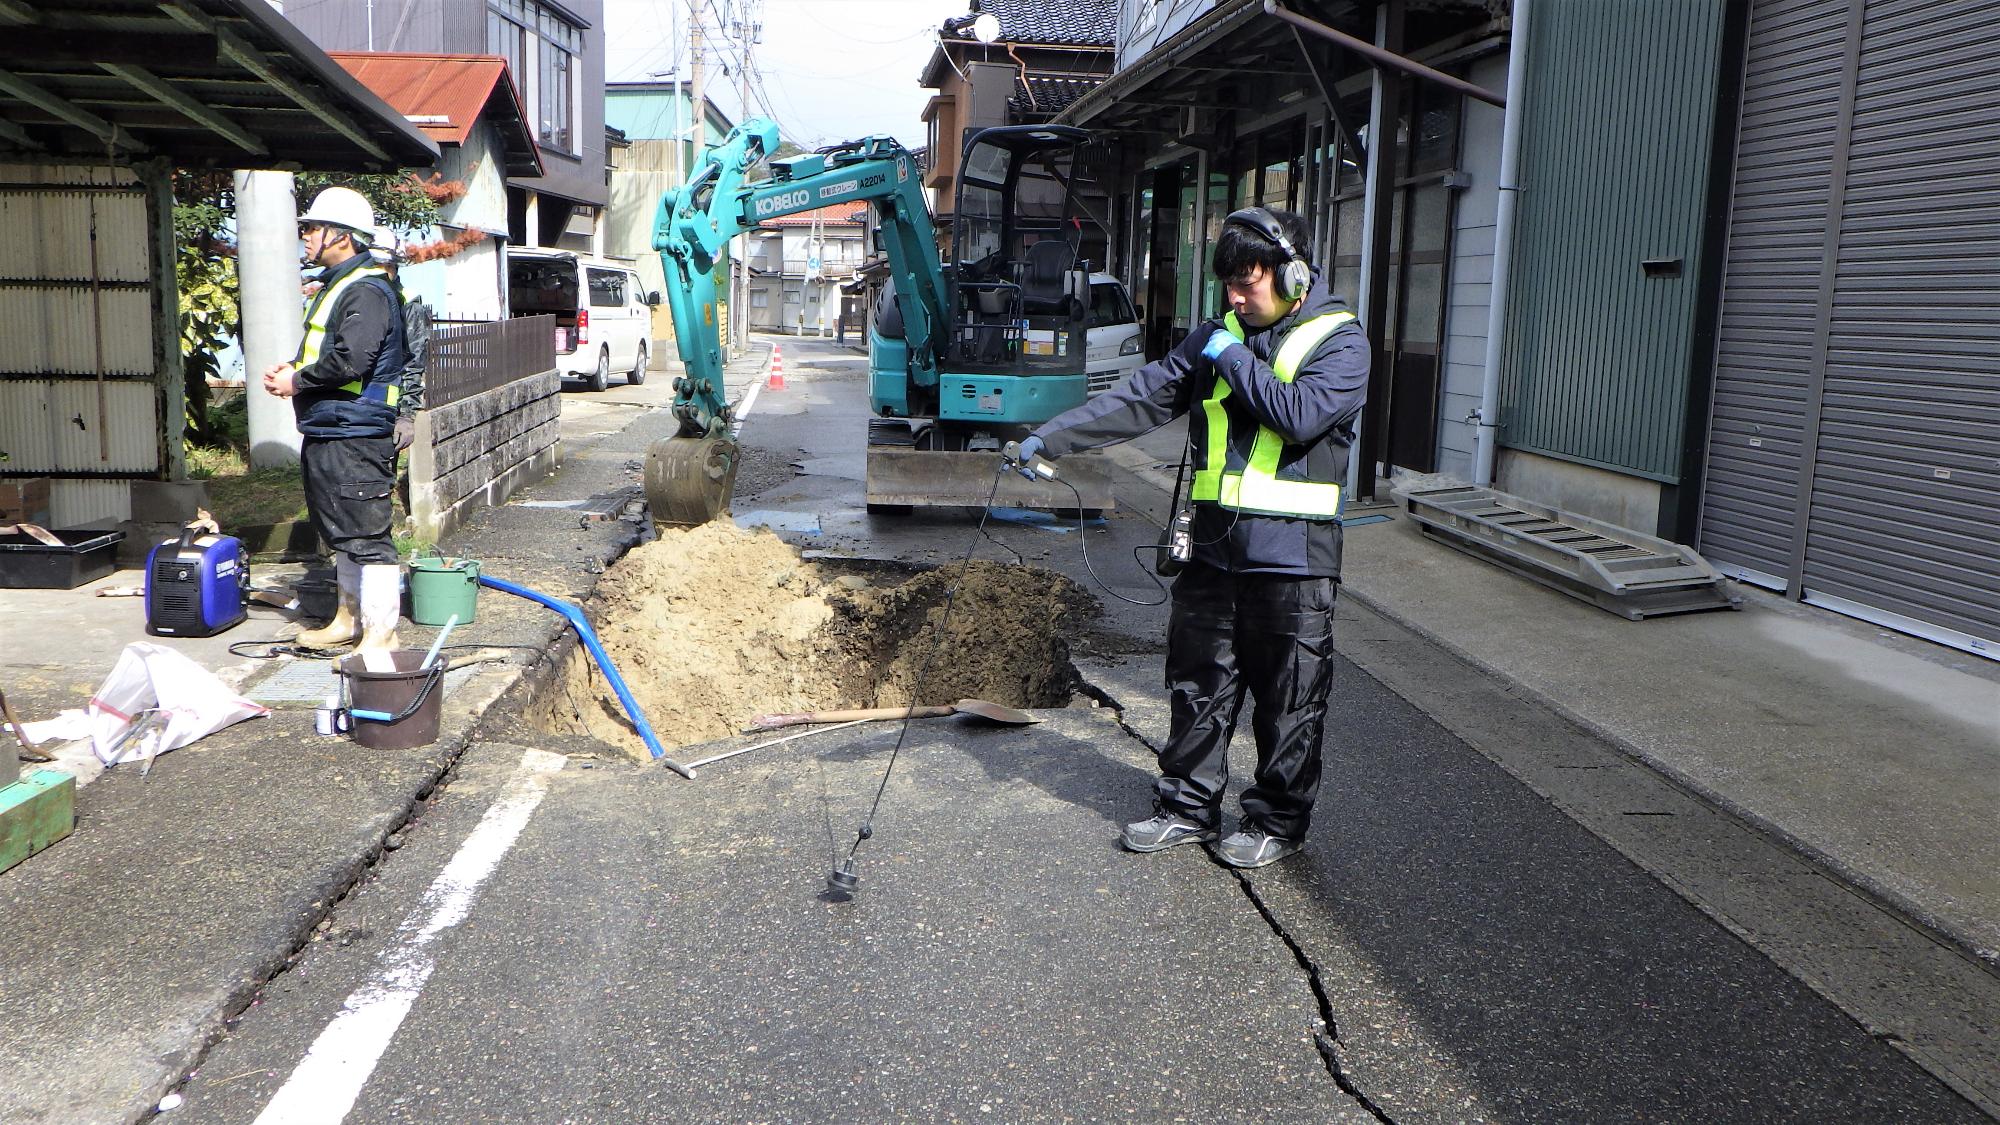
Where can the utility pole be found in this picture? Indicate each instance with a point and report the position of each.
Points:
(699, 138)
(740, 299)
(267, 275)
(674, 162)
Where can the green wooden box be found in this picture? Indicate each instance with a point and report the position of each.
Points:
(35, 812)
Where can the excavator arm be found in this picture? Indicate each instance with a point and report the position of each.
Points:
(689, 476)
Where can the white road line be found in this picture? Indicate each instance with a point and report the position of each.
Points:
(322, 1089)
(749, 400)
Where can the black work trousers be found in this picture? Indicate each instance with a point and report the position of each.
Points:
(347, 482)
(1272, 636)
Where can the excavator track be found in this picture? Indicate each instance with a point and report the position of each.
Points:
(689, 480)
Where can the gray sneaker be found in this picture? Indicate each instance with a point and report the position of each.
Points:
(1166, 830)
(1250, 846)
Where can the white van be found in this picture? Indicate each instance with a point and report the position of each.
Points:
(604, 321)
(1114, 344)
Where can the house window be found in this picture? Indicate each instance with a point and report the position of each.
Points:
(541, 49)
(556, 101)
(507, 36)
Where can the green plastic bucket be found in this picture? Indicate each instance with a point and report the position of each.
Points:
(442, 588)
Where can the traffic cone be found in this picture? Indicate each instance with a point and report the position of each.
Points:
(776, 380)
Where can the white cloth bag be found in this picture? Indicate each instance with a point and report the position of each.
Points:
(176, 699)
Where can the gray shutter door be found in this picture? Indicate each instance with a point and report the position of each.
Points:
(1908, 476)
(1767, 340)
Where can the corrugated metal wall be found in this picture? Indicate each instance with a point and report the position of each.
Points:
(1471, 272)
(79, 395)
(1619, 107)
(1864, 344)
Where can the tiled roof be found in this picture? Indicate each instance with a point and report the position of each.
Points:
(1051, 95)
(1086, 23)
(840, 214)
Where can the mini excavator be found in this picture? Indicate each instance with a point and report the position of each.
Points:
(965, 353)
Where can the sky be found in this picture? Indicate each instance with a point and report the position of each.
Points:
(834, 69)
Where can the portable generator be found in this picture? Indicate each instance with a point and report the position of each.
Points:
(196, 585)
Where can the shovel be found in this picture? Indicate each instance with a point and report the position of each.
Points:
(989, 711)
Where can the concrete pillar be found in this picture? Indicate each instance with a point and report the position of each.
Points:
(272, 316)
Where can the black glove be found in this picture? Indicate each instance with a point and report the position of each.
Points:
(406, 432)
(1031, 448)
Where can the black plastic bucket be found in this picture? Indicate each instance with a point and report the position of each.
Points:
(411, 698)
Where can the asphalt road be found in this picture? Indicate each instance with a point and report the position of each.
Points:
(567, 938)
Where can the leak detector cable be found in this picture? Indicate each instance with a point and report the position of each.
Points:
(837, 884)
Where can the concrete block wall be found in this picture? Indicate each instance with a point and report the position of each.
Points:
(480, 450)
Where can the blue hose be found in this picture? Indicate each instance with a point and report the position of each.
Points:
(589, 636)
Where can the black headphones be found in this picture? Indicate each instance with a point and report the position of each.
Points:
(1295, 277)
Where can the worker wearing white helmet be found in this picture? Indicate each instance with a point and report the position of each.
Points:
(346, 388)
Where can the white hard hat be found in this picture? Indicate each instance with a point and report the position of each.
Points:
(342, 207)
(386, 246)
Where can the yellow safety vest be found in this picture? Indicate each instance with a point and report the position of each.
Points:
(316, 324)
(1256, 487)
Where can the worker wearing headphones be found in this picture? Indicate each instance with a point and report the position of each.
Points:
(1271, 393)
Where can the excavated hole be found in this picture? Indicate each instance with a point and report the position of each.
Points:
(713, 625)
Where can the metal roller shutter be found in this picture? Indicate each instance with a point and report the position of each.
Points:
(1907, 483)
(1768, 338)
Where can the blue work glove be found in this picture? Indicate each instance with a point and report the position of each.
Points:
(1218, 340)
(1031, 448)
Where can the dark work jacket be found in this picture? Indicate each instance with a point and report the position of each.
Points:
(417, 321)
(364, 343)
(1315, 414)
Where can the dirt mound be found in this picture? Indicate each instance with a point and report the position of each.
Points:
(712, 625)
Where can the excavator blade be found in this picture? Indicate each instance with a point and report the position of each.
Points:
(689, 479)
(922, 478)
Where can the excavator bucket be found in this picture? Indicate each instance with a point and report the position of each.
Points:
(689, 479)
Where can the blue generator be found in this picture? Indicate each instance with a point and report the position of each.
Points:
(196, 585)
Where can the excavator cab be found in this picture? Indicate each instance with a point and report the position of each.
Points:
(1021, 285)
(1012, 353)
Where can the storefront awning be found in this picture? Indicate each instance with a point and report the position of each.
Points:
(203, 83)
(1242, 56)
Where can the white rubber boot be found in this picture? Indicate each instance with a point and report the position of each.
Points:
(381, 607)
(345, 628)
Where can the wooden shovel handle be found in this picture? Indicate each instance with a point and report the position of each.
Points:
(30, 749)
(853, 714)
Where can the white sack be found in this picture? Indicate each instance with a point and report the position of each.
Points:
(192, 702)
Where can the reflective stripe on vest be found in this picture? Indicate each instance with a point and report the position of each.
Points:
(1256, 487)
(316, 318)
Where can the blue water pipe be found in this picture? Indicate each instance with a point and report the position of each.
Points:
(589, 636)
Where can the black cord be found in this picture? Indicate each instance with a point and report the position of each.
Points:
(1083, 540)
(283, 646)
(924, 670)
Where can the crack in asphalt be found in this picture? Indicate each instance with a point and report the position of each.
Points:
(1325, 1029)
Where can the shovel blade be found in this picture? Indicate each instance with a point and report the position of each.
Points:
(993, 712)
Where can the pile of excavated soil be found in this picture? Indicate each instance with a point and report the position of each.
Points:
(713, 625)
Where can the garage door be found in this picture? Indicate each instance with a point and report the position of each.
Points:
(1859, 355)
